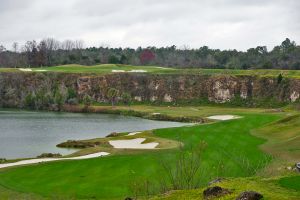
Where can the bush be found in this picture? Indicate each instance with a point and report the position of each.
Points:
(72, 101)
(279, 78)
(87, 100)
(30, 100)
(126, 98)
(112, 95)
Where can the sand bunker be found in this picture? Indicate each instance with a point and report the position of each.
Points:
(40, 70)
(132, 144)
(138, 71)
(223, 117)
(25, 70)
(41, 160)
(162, 68)
(133, 133)
(155, 113)
(117, 71)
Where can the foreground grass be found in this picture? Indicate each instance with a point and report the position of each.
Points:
(268, 187)
(107, 68)
(112, 177)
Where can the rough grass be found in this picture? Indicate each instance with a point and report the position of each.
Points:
(111, 177)
(107, 68)
(268, 187)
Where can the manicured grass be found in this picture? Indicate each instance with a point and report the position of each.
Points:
(98, 69)
(283, 138)
(291, 183)
(186, 111)
(107, 68)
(267, 187)
(110, 177)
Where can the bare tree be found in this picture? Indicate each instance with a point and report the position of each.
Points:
(30, 49)
(15, 47)
(79, 44)
(68, 45)
(51, 45)
(2, 49)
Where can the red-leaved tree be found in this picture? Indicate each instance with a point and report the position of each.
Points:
(146, 56)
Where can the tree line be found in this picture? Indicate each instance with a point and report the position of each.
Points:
(51, 52)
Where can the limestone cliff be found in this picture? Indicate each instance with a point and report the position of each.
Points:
(15, 87)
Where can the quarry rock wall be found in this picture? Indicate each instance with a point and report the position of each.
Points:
(169, 88)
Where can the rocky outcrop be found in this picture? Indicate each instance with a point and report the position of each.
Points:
(249, 195)
(170, 88)
(215, 191)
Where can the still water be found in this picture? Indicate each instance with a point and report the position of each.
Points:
(26, 134)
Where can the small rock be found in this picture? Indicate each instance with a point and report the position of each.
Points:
(249, 195)
(289, 168)
(113, 134)
(215, 191)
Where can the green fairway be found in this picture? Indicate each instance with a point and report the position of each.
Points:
(113, 68)
(228, 142)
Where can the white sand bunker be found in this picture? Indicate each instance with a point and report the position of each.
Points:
(138, 71)
(25, 69)
(41, 160)
(132, 144)
(133, 133)
(155, 113)
(223, 117)
(117, 71)
(40, 70)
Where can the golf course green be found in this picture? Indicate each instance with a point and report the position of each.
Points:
(231, 151)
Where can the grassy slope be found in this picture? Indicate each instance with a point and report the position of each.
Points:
(111, 176)
(283, 138)
(107, 68)
(268, 187)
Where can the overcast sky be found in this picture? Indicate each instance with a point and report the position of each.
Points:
(224, 24)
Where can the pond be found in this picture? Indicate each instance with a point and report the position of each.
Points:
(26, 134)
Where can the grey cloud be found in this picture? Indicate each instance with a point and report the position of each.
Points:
(225, 24)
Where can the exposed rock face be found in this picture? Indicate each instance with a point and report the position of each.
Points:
(249, 195)
(294, 96)
(14, 87)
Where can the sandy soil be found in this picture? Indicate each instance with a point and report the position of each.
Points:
(132, 144)
(41, 160)
(223, 117)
